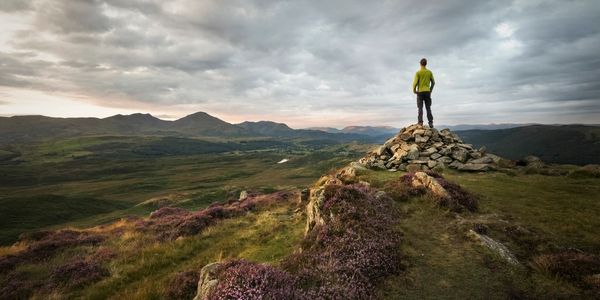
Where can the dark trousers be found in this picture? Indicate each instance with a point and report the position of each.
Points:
(426, 98)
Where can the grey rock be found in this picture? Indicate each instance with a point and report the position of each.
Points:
(444, 160)
(429, 151)
(405, 136)
(413, 152)
(466, 146)
(419, 132)
(455, 164)
(431, 164)
(208, 281)
(421, 139)
(494, 246)
(474, 154)
(460, 155)
(435, 156)
(482, 160)
(438, 145)
(379, 164)
(445, 151)
(474, 167)
(418, 161)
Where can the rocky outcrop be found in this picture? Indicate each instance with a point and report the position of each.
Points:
(421, 179)
(424, 148)
(208, 280)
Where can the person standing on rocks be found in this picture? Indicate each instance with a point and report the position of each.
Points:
(423, 89)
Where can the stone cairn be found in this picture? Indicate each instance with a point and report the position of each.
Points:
(417, 147)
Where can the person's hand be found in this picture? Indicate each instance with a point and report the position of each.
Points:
(415, 91)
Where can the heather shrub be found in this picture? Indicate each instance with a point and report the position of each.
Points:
(77, 272)
(240, 279)
(183, 285)
(48, 244)
(168, 211)
(342, 259)
(354, 249)
(459, 199)
(18, 286)
(400, 191)
(573, 265)
(169, 223)
(104, 254)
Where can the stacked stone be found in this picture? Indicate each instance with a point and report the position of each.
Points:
(422, 148)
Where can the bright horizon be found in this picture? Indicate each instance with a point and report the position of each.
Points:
(305, 64)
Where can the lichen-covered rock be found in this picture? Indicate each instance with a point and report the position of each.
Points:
(495, 246)
(208, 280)
(421, 179)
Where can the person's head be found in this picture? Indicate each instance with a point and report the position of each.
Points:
(423, 62)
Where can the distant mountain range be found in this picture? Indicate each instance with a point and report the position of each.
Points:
(577, 144)
(33, 128)
(389, 130)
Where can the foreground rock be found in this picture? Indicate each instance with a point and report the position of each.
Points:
(422, 148)
(421, 179)
(208, 280)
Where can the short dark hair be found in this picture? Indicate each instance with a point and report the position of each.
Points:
(423, 61)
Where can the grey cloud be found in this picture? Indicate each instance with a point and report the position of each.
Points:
(295, 57)
(72, 16)
(15, 5)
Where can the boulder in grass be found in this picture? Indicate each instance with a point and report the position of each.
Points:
(208, 280)
(474, 167)
(421, 179)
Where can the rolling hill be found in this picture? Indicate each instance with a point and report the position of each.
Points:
(566, 144)
(23, 129)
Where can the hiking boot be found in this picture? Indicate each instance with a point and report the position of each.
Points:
(430, 125)
(420, 123)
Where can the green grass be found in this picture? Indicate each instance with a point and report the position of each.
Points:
(22, 214)
(441, 262)
(565, 209)
(110, 169)
(264, 236)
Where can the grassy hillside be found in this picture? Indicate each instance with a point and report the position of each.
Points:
(566, 144)
(531, 214)
(90, 180)
(119, 217)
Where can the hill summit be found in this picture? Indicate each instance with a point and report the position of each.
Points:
(418, 147)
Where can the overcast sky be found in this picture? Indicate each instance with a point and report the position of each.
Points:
(305, 63)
